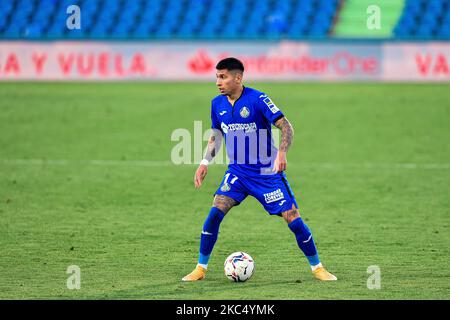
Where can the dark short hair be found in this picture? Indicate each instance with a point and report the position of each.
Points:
(230, 64)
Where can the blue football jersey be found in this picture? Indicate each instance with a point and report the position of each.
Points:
(246, 126)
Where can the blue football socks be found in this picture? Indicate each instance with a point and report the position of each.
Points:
(305, 240)
(209, 235)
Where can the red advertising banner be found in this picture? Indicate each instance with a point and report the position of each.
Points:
(264, 61)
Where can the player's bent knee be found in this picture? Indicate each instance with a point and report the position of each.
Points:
(222, 208)
(290, 215)
(223, 203)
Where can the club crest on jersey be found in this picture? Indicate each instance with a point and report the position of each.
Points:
(225, 187)
(244, 112)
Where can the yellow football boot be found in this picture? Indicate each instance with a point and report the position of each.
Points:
(322, 274)
(198, 274)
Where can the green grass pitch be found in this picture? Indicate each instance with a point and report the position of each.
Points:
(86, 180)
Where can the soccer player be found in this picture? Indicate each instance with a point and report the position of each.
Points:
(244, 117)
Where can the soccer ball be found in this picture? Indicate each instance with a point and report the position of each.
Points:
(239, 267)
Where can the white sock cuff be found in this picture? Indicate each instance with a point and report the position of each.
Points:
(316, 266)
(204, 266)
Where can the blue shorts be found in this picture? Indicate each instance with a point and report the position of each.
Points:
(273, 192)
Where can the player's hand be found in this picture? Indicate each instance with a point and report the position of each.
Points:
(200, 174)
(280, 162)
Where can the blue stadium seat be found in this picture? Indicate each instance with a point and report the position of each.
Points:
(423, 19)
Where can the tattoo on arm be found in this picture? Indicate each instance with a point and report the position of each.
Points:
(214, 144)
(287, 133)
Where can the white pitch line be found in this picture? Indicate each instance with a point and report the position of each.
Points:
(153, 163)
(375, 165)
(47, 162)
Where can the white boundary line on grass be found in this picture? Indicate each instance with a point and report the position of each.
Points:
(48, 162)
(153, 163)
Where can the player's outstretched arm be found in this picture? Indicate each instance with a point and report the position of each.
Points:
(214, 144)
(287, 135)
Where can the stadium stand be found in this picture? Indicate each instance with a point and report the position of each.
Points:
(168, 19)
(424, 19)
(227, 19)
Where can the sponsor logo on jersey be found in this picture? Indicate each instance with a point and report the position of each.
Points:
(223, 112)
(224, 128)
(271, 105)
(268, 102)
(273, 196)
(246, 127)
(244, 112)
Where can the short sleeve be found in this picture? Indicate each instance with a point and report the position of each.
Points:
(215, 124)
(269, 110)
